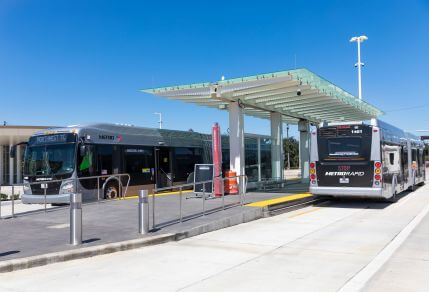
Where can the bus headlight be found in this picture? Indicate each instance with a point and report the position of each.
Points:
(67, 187)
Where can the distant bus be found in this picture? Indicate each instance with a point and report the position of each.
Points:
(358, 159)
(152, 157)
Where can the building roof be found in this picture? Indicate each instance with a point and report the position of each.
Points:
(13, 134)
(296, 94)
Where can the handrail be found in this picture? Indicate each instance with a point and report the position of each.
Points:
(166, 174)
(241, 191)
(75, 180)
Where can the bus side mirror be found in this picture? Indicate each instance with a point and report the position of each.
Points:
(83, 150)
(12, 152)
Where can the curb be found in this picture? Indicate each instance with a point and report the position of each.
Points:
(290, 206)
(62, 256)
(246, 216)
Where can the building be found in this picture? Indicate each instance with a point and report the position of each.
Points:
(11, 168)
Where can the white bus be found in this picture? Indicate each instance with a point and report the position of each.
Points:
(365, 160)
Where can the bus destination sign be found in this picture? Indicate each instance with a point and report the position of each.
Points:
(52, 139)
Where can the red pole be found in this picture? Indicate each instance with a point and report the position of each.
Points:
(217, 159)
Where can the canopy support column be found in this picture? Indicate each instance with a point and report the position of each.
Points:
(276, 145)
(258, 140)
(18, 165)
(236, 138)
(1, 164)
(11, 164)
(304, 149)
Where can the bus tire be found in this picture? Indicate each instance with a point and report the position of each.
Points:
(393, 198)
(111, 191)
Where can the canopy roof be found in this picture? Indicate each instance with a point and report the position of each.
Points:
(319, 100)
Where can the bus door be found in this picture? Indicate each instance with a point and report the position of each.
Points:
(163, 167)
(108, 160)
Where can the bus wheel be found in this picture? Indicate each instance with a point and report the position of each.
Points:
(111, 191)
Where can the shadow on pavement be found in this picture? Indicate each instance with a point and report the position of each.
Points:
(362, 203)
(3, 254)
(90, 240)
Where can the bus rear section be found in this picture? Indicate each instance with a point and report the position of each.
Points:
(345, 161)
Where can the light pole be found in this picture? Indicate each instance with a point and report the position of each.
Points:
(359, 64)
(160, 119)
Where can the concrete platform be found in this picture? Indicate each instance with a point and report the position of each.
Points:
(317, 248)
(107, 222)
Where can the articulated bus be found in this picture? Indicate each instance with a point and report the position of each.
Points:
(151, 157)
(362, 159)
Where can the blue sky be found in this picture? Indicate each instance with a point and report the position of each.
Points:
(68, 62)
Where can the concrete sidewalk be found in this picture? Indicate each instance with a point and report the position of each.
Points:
(408, 268)
(115, 221)
(19, 208)
(318, 248)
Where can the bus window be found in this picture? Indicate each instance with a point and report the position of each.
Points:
(392, 158)
(139, 164)
(105, 153)
(86, 164)
(414, 155)
(186, 158)
(344, 148)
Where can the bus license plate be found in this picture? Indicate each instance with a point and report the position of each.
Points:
(344, 180)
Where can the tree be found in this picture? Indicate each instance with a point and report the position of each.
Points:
(291, 146)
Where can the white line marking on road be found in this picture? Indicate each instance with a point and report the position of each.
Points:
(363, 276)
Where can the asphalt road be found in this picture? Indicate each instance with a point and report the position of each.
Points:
(346, 245)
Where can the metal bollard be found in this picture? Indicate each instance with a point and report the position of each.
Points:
(76, 218)
(153, 209)
(143, 211)
(180, 205)
(13, 201)
(98, 189)
(204, 199)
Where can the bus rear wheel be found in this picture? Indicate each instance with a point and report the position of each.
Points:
(111, 191)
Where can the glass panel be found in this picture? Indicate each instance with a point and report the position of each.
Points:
(344, 147)
(185, 160)
(266, 158)
(251, 158)
(139, 164)
(49, 160)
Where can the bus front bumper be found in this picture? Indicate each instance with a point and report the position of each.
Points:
(50, 199)
(347, 192)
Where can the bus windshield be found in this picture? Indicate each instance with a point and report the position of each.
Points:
(341, 147)
(55, 159)
(344, 148)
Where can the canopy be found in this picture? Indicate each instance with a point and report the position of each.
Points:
(296, 94)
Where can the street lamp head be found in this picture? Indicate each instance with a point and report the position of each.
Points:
(363, 38)
(360, 39)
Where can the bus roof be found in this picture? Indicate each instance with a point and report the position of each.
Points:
(128, 134)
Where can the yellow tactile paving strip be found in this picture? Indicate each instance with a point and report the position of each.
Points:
(279, 200)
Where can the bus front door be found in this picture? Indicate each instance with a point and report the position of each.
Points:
(163, 167)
